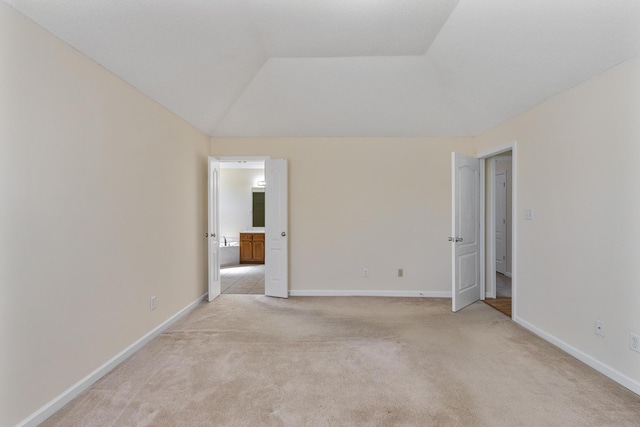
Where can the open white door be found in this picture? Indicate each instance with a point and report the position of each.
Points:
(465, 230)
(276, 277)
(214, 229)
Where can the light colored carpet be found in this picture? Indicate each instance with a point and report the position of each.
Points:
(248, 360)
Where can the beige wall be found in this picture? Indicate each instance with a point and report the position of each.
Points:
(380, 203)
(578, 260)
(236, 200)
(102, 204)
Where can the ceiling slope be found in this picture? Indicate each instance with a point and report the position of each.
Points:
(346, 68)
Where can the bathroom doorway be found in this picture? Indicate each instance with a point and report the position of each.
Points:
(242, 186)
(274, 236)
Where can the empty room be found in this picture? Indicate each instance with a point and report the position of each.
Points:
(380, 129)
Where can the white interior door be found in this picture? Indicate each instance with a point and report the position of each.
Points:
(276, 275)
(465, 240)
(501, 221)
(214, 228)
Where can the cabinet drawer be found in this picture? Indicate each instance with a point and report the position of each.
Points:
(252, 236)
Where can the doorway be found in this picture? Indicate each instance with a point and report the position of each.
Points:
(274, 237)
(474, 271)
(242, 190)
(498, 228)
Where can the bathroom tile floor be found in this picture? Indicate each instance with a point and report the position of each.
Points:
(242, 279)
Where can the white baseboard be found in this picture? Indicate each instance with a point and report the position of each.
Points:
(606, 370)
(72, 392)
(416, 294)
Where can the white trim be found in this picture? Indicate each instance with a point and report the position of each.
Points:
(509, 146)
(508, 274)
(490, 253)
(338, 293)
(213, 228)
(72, 392)
(483, 285)
(453, 231)
(247, 164)
(241, 158)
(606, 370)
(514, 225)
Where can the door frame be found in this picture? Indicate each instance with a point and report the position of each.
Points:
(213, 228)
(488, 248)
(222, 159)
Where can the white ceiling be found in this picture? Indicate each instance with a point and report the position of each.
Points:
(347, 67)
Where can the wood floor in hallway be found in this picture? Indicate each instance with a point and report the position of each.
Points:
(502, 302)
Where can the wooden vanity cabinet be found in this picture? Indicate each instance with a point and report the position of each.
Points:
(251, 248)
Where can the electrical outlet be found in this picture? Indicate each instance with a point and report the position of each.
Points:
(401, 272)
(365, 272)
(152, 303)
(634, 342)
(600, 328)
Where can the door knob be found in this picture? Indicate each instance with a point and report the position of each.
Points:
(451, 239)
(283, 234)
(458, 239)
(213, 234)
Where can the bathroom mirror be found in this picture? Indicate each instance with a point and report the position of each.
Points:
(258, 207)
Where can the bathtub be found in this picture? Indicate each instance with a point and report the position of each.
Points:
(230, 254)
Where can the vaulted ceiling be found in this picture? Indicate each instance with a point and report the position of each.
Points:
(346, 67)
